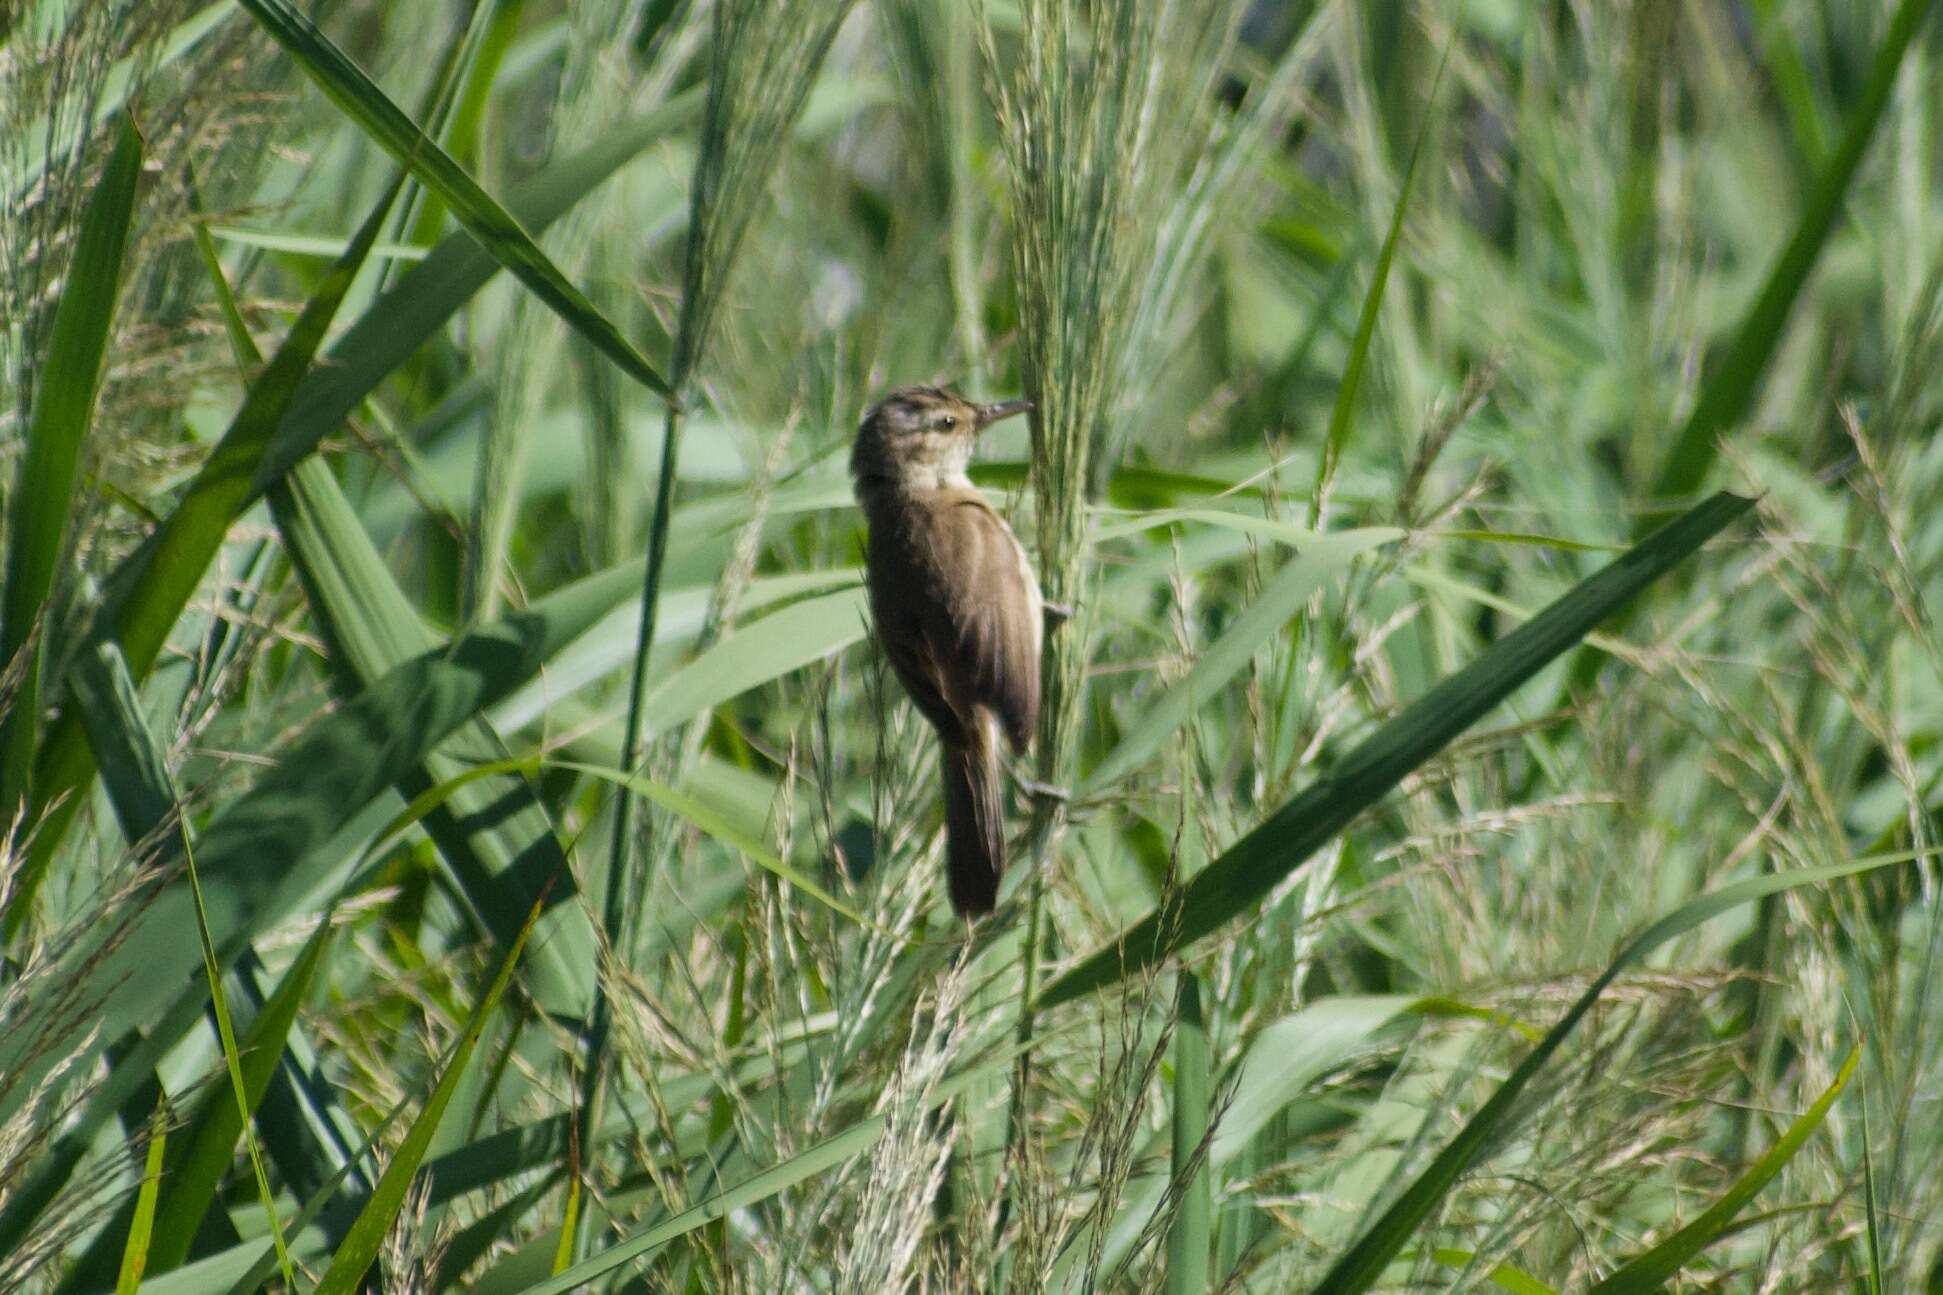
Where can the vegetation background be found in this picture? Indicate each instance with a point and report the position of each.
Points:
(378, 915)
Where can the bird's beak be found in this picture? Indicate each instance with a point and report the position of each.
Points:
(989, 414)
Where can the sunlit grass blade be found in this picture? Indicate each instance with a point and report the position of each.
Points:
(496, 229)
(233, 1061)
(367, 1232)
(1651, 1271)
(1360, 1267)
(65, 385)
(675, 802)
(1729, 390)
(1190, 1234)
(1281, 598)
(1253, 866)
(134, 1255)
(1513, 1281)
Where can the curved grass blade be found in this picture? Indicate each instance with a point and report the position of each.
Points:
(1651, 1271)
(1280, 599)
(1261, 860)
(1361, 1266)
(367, 1232)
(496, 229)
(43, 495)
(759, 652)
(1728, 393)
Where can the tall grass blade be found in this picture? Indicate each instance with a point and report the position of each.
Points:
(233, 1061)
(43, 494)
(1190, 1236)
(208, 1144)
(1361, 1266)
(497, 230)
(1651, 1271)
(1342, 416)
(1252, 867)
(367, 1233)
(1729, 392)
(134, 1255)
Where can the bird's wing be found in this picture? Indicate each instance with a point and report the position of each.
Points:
(987, 616)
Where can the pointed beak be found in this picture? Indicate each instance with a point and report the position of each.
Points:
(989, 414)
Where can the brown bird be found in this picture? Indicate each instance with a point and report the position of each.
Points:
(957, 609)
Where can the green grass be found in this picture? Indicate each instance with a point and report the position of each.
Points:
(1490, 450)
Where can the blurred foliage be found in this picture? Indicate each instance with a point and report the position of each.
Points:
(335, 344)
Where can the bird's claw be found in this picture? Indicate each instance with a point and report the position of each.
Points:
(1056, 614)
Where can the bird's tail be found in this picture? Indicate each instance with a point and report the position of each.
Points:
(974, 821)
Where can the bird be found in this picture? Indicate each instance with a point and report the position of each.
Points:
(957, 608)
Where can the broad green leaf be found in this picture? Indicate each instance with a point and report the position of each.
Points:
(1651, 1271)
(42, 501)
(1320, 560)
(757, 653)
(497, 230)
(1252, 867)
(1286, 1059)
(323, 245)
(1729, 390)
(367, 1232)
(1360, 1267)
(675, 802)
(494, 834)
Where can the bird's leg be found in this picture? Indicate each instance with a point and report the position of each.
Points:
(1036, 790)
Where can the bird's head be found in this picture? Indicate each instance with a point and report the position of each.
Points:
(922, 436)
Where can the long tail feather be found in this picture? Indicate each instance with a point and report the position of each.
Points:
(974, 823)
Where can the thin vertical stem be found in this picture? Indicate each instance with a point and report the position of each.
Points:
(615, 928)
